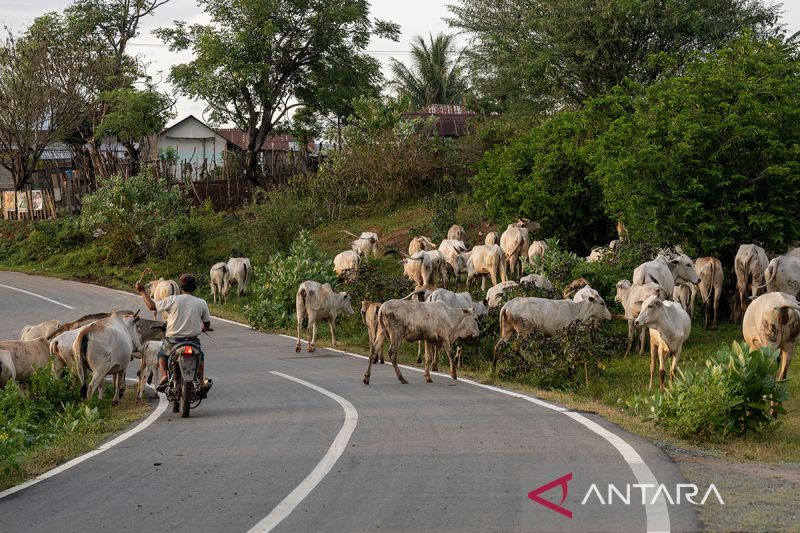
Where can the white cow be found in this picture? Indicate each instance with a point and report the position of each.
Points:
(456, 300)
(537, 281)
(669, 326)
(632, 297)
(45, 329)
(536, 249)
(523, 316)
(585, 293)
(424, 267)
(457, 233)
(684, 295)
(494, 296)
(240, 272)
(772, 320)
(432, 322)
(61, 347)
(347, 262)
(456, 263)
(316, 302)
(711, 277)
(7, 371)
(23, 358)
(369, 314)
(492, 238)
(514, 242)
(783, 275)
(148, 366)
(420, 244)
(666, 272)
(749, 265)
(366, 244)
(485, 261)
(106, 347)
(160, 289)
(219, 280)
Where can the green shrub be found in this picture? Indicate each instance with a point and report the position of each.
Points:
(443, 209)
(734, 394)
(377, 281)
(275, 285)
(138, 217)
(567, 360)
(556, 265)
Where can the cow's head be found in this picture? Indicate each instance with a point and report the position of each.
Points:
(651, 309)
(346, 305)
(682, 269)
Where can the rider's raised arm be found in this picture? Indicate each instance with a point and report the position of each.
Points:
(151, 305)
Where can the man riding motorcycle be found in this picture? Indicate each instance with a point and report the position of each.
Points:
(187, 317)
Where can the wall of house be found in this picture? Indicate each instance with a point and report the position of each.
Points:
(194, 142)
(6, 179)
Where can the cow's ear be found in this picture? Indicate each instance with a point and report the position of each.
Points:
(591, 298)
(136, 314)
(657, 302)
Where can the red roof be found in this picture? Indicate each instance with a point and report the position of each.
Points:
(276, 142)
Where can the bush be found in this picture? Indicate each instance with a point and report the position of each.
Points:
(377, 281)
(51, 408)
(567, 360)
(139, 217)
(556, 265)
(734, 394)
(275, 285)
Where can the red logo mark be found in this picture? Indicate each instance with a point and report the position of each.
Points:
(562, 482)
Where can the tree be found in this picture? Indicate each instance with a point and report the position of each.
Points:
(133, 115)
(542, 55)
(710, 158)
(436, 75)
(41, 100)
(259, 59)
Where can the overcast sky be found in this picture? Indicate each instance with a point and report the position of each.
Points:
(414, 16)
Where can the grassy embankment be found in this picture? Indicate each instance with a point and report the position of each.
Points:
(622, 379)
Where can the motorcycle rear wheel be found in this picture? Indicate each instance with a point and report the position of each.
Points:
(186, 397)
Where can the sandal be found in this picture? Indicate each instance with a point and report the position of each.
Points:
(161, 387)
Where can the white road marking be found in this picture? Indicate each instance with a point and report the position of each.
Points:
(37, 296)
(338, 446)
(160, 408)
(657, 514)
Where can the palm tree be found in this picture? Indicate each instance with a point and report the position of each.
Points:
(436, 75)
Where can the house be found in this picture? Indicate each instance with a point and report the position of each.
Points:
(450, 120)
(280, 153)
(193, 141)
(6, 179)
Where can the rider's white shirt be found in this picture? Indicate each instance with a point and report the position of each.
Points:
(185, 315)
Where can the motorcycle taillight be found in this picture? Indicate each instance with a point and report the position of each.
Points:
(188, 351)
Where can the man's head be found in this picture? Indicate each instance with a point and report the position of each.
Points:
(187, 283)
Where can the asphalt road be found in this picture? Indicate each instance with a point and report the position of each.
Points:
(447, 456)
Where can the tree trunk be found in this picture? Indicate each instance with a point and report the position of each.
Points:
(133, 155)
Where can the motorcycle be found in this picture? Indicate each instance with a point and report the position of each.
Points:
(184, 389)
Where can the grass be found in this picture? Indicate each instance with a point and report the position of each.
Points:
(69, 445)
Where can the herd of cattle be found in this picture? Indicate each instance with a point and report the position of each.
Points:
(659, 300)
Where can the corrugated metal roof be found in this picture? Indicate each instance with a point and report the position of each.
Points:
(279, 142)
(451, 120)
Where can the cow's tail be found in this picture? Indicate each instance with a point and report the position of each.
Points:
(502, 319)
(81, 363)
(769, 274)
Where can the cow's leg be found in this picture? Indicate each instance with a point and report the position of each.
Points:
(300, 315)
(429, 354)
(786, 358)
(643, 332)
(653, 350)
(674, 366)
(435, 357)
(458, 356)
(448, 349)
(119, 378)
(483, 283)
(504, 338)
(717, 294)
(312, 330)
(377, 344)
(394, 344)
(332, 324)
(631, 332)
(662, 372)
(58, 366)
(419, 352)
(97, 385)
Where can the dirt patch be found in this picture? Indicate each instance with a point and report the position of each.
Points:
(758, 496)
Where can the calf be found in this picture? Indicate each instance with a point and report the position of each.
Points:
(420, 244)
(148, 366)
(432, 322)
(772, 320)
(219, 279)
(523, 316)
(669, 325)
(45, 329)
(106, 347)
(632, 297)
(455, 262)
(241, 272)
(684, 295)
(536, 249)
(315, 302)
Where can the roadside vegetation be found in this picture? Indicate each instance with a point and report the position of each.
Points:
(48, 424)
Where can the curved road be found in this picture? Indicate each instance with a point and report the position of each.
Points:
(447, 456)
